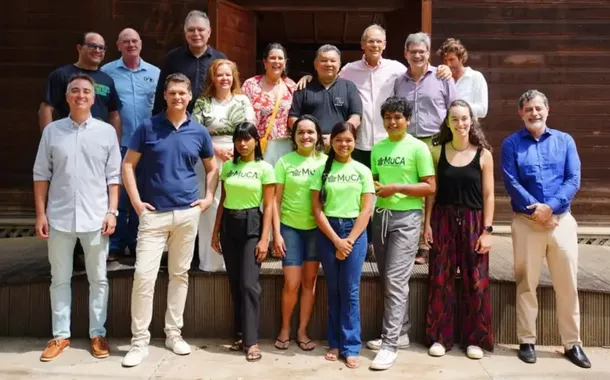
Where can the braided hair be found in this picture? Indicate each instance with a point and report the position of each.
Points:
(337, 130)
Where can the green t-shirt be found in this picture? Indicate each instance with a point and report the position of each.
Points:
(344, 188)
(401, 162)
(295, 173)
(243, 183)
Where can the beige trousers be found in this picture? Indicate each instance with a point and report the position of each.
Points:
(532, 243)
(178, 229)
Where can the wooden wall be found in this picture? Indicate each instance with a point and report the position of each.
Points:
(38, 36)
(561, 48)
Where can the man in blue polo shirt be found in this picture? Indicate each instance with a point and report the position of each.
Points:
(135, 81)
(168, 145)
(541, 171)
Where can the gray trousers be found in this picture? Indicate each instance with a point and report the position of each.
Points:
(396, 240)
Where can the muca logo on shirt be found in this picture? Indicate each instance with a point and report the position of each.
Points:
(241, 174)
(343, 178)
(301, 172)
(391, 161)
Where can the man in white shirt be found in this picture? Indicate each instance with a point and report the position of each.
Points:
(471, 84)
(76, 190)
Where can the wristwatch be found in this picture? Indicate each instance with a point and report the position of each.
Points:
(113, 212)
(488, 229)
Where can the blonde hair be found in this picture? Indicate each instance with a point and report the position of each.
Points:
(210, 89)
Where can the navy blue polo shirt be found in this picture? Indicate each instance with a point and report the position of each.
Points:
(168, 180)
(330, 106)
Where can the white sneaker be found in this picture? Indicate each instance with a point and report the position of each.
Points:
(403, 342)
(437, 350)
(135, 356)
(474, 352)
(178, 345)
(384, 359)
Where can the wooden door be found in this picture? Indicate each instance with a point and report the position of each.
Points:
(234, 33)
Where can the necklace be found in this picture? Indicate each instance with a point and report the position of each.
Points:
(460, 150)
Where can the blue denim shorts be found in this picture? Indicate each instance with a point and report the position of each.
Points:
(300, 245)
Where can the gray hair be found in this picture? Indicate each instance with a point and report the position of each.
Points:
(529, 95)
(372, 27)
(196, 13)
(418, 38)
(326, 48)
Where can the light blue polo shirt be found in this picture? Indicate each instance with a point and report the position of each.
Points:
(136, 89)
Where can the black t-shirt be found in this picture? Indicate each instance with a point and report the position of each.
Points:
(106, 98)
(181, 60)
(330, 106)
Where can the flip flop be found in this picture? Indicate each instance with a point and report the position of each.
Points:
(352, 362)
(253, 354)
(332, 355)
(304, 345)
(283, 344)
(238, 345)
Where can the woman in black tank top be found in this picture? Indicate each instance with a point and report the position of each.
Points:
(458, 232)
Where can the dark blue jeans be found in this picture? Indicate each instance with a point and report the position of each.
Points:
(343, 283)
(126, 232)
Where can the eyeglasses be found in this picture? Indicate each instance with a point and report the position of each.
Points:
(93, 46)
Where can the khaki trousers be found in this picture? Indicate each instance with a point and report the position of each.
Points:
(532, 243)
(178, 229)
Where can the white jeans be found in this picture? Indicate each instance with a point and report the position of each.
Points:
(61, 247)
(178, 229)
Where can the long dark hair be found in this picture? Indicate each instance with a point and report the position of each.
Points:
(245, 131)
(277, 46)
(475, 135)
(337, 129)
(295, 126)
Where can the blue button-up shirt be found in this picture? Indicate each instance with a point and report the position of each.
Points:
(80, 162)
(168, 180)
(136, 89)
(544, 171)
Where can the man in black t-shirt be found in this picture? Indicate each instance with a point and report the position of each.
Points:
(329, 98)
(91, 51)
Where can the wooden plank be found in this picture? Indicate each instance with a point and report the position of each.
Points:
(322, 5)
(5, 307)
(40, 310)
(79, 318)
(19, 304)
(426, 16)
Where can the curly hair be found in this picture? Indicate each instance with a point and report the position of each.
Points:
(475, 135)
(397, 104)
(210, 89)
(452, 45)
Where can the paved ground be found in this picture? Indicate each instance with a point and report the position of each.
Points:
(212, 360)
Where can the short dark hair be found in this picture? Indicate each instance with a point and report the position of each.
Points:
(177, 78)
(397, 104)
(78, 76)
(245, 131)
(529, 95)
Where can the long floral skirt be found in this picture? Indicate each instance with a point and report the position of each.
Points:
(455, 234)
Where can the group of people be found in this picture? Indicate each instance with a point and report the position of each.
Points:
(319, 170)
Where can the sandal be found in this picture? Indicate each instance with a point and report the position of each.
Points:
(238, 345)
(332, 355)
(254, 353)
(282, 344)
(352, 362)
(305, 345)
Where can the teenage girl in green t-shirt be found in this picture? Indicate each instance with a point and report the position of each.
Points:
(241, 231)
(342, 202)
(295, 229)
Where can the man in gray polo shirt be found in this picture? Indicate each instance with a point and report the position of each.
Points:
(429, 96)
(76, 190)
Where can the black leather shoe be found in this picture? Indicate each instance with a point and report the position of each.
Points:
(527, 353)
(578, 357)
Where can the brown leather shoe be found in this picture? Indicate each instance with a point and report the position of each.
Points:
(99, 347)
(54, 348)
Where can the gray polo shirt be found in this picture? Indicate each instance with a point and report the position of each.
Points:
(79, 161)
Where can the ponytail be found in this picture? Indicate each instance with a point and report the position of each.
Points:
(327, 166)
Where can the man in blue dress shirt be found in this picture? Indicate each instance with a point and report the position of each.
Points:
(135, 81)
(541, 171)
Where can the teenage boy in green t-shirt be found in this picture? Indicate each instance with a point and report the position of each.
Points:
(403, 170)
